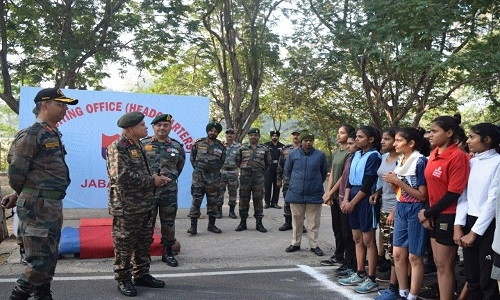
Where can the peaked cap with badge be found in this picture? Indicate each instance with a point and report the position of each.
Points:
(130, 119)
(54, 94)
(162, 118)
(254, 130)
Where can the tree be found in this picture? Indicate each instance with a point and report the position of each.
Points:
(230, 49)
(408, 55)
(68, 43)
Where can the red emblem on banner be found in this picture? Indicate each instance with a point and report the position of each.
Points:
(106, 140)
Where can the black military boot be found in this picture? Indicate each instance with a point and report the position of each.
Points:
(18, 294)
(232, 215)
(219, 212)
(194, 226)
(287, 225)
(127, 288)
(259, 225)
(43, 292)
(23, 255)
(211, 225)
(168, 256)
(243, 225)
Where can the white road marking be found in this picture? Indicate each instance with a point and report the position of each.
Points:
(333, 286)
(313, 272)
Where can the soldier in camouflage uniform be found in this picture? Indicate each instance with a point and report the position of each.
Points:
(10, 200)
(282, 180)
(130, 194)
(207, 157)
(253, 159)
(39, 175)
(229, 175)
(166, 156)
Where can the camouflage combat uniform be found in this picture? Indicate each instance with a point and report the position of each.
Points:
(229, 176)
(130, 195)
(19, 238)
(207, 161)
(281, 177)
(253, 163)
(169, 157)
(39, 175)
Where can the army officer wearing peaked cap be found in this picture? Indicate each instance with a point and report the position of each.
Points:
(39, 176)
(130, 195)
(166, 156)
(253, 159)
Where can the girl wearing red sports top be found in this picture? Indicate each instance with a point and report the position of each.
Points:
(446, 175)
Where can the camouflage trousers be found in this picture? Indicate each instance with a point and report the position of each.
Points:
(204, 184)
(132, 240)
(251, 184)
(40, 223)
(286, 206)
(165, 205)
(386, 232)
(228, 179)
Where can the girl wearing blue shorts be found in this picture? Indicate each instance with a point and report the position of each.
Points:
(362, 215)
(409, 184)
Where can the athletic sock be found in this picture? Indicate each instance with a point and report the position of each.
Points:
(404, 293)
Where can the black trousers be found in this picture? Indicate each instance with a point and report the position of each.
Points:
(478, 261)
(337, 229)
(349, 246)
(272, 191)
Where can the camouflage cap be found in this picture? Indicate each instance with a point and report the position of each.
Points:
(274, 132)
(162, 118)
(215, 125)
(254, 130)
(130, 119)
(54, 94)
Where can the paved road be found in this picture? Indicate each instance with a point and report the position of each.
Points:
(231, 265)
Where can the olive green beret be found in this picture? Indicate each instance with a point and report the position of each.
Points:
(211, 125)
(254, 130)
(130, 119)
(162, 118)
(306, 135)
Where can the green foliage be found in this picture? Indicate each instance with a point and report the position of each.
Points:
(406, 58)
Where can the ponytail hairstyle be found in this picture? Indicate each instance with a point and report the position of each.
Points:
(371, 131)
(453, 124)
(487, 129)
(422, 145)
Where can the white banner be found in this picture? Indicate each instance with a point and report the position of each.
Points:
(90, 126)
